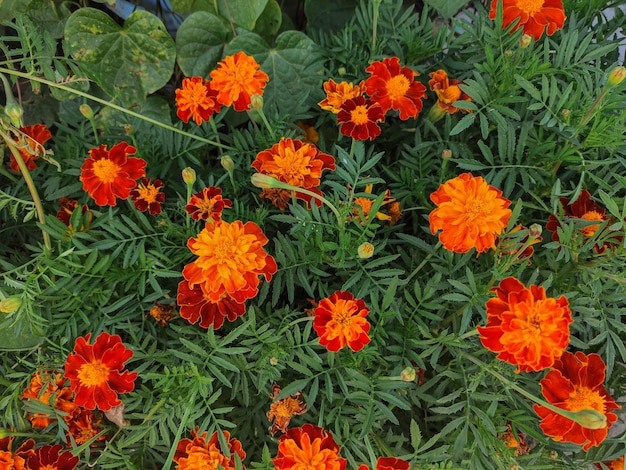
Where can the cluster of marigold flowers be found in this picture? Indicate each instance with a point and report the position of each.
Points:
(92, 379)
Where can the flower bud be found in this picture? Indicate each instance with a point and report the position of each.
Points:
(590, 419)
(189, 175)
(365, 250)
(553, 454)
(15, 112)
(565, 112)
(408, 374)
(227, 163)
(86, 111)
(535, 230)
(617, 75)
(273, 361)
(342, 71)
(525, 41)
(446, 153)
(10, 305)
(256, 102)
(264, 181)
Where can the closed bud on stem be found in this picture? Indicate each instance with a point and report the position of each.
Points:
(86, 111)
(10, 305)
(365, 250)
(265, 181)
(617, 75)
(14, 112)
(446, 153)
(408, 374)
(341, 71)
(256, 102)
(189, 175)
(591, 419)
(227, 163)
(534, 231)
(525, 41)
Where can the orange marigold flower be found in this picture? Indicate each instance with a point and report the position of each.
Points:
(470, 214)
(308, 447)
(338, 93)
(448, 91)
(30, 142)
(162, 313)
(617, 464)
(236, 79)
(358, 118)
(207, 204)
(48, 388)
(535, 16)
(296, 163)
(364, 205)
(525, 327)
(196, 305)
(309, 135)
(95, 371)
(340, 321)
(109, 174)
(585, 210)
(15, 459)
(198, 453)
(50, 457)
(394, 87)
(515, 441)
(196, 100)
(281, 411)
(147, 196)
(575, 383)
(230, 260)
(83, 425)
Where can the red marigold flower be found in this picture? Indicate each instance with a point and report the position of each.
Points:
(340, 321)
(281, 411)
(196, 100)
(198, 453)
(525, 327)
(50, 457)
(587, 210)
(30, 142)
(207, 204)
(448, 91)
(575, 383)
(230, 260)
(15, 459)
(470, 214)
(109, 174)
(236, 79)
(394, 87)
(95, 371)
(358, 118)
(296, 163)
(48, 388)
(196, 305)
(147, 196)
(83, 425)
(308, 447)
(338, 93)
(535, 16)
(66, 209)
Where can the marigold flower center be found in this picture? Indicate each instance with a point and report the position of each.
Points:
(208, 459)
(359, 115)
(530, 7)
(294, 166)
(93, 374)
(475, 209)
(106, 170)
(397, 87)
(589, 230)
(450, 94)
(148, 193)
(584, 398)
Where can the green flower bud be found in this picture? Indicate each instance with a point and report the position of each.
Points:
(189, 175)
(86, 111)
(617, 75)
(590, 419)
(365, 250)
(10, 305)
(15, 112)
(227, 163)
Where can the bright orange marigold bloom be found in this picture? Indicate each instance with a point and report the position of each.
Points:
(394, 87)
(196, 305)
(230, 260)
(15, 459)
(470, 214)
(448, 91)
(340, 321)
(236, 79)
(296, 163)
(358, 118)
(196, 100)
(308, 447)
(109, 174)
(281, 411)
(338, 93)
(525, 327)
(207, 204)
(576, 383)
(535, 16)
(50, 457)
(147, 196)
(95, 371)
(48, 388)
(199, 454)
(617, 464)
(30, 142)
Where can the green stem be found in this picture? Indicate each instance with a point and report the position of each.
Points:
(179, 432)
(375, 24)
(114, 106)
(31, 186)
(423, 263)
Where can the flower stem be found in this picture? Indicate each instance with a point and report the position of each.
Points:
(375, 24)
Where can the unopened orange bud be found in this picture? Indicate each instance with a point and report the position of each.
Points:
(408, 374)
(617, 75)
(590, 419)
(256, 102)
(264, 181)
(535, 230)
(445, 154)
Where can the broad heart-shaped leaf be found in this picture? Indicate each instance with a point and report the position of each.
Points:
(189, 6)
(446, 8)
(292, 65)
(200, 41)
(317, 16)
(243, 13)
(128, 62)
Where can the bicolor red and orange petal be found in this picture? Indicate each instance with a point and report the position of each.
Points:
(447, 91)
(147, 196)
(30, 142)
(340, 321)
(359, 117)
(50, 389)
(207, 204)
(338, 93)
(281, 411)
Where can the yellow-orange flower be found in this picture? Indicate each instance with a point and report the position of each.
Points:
(338, 93)
(199, 454)
(296, 163)
(391, 214)
(162, 313)
(83, 425)
(196, 100)
(50, 389)
(230, 260)
(15, 459)
(309, 134)
(525, 327)
(340, 321)
(147, 196)
(535, 16)
(281, 411)
(515, 441)
(447, 90)
(236, 79)
(616, 464)
(308, 447)
(470, 214)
